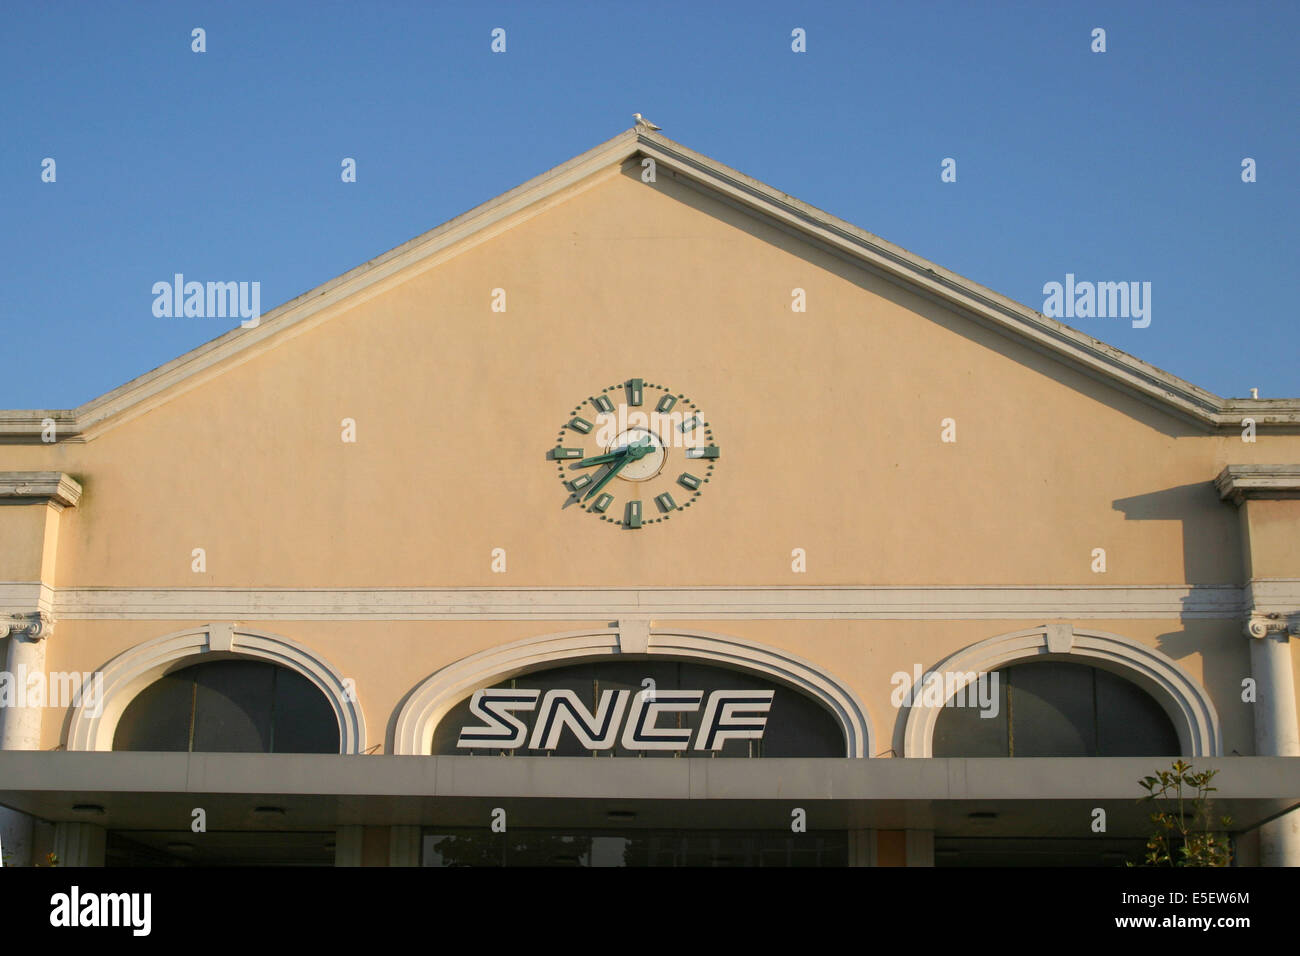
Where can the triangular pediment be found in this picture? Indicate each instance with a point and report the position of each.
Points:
(822, 230)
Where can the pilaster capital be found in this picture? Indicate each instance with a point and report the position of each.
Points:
(1261, 624)
(1238, 483)
(59, 490)
(32, 626)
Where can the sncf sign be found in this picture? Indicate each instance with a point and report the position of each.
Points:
(728, 715)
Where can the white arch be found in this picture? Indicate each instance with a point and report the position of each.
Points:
(432, 699)
(129, 673)
(1185, 701)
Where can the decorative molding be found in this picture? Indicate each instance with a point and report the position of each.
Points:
(878, 603)
(1186, 702)
(221, 637)
(31, 626)
(1060, 638)
(125, 676)
(22, 597)
(1260, 624)
(1272, 607)
(1272, 594)
(54, 487)
(1242, 482)
(634, 636)
(1011, 318)
(429, 702)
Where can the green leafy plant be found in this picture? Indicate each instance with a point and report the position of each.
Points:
(1185, 833)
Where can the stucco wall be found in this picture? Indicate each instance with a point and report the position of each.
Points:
(829, 423)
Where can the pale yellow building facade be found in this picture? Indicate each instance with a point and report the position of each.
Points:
(370, 488)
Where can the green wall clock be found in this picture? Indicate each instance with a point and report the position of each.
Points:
(635, 454)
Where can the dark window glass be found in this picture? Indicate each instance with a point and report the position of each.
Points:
(304, 722)
(160, 717)
(1058, 709)
(233, 709)
(230, 707)
(1129, 722)
(1051, 711)
(963, 731)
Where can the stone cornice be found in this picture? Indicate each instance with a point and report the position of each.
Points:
(52, 486)
(1241, 482)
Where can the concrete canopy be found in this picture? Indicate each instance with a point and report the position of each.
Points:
(1029, 796)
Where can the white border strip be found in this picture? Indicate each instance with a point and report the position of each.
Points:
(929, 603)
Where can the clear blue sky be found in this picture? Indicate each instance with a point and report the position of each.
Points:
(1119, 166)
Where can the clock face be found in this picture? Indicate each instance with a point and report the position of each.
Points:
(635, 454)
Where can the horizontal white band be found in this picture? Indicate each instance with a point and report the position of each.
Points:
(924, 603)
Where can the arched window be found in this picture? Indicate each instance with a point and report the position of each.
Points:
(232, 706)
(1056, 709)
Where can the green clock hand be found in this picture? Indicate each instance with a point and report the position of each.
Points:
(608, 475)
(631, 453)
(602, 459)
(613, 455)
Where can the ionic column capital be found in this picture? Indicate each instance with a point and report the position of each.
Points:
(1261, 624)
(32, 626)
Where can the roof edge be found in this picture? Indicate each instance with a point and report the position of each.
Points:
(970, 298)
(980, 302)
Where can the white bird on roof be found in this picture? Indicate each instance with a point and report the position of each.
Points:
(643, 123)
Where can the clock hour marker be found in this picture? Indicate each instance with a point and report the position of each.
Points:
(692, 423)
(632, 518)
(687, 480)
(702, 451)
(666, 403)
(602, 502)
(634, 391)
(582, 481)
(561, 453)
(602, 403)
(580, 425)
(665, 502)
